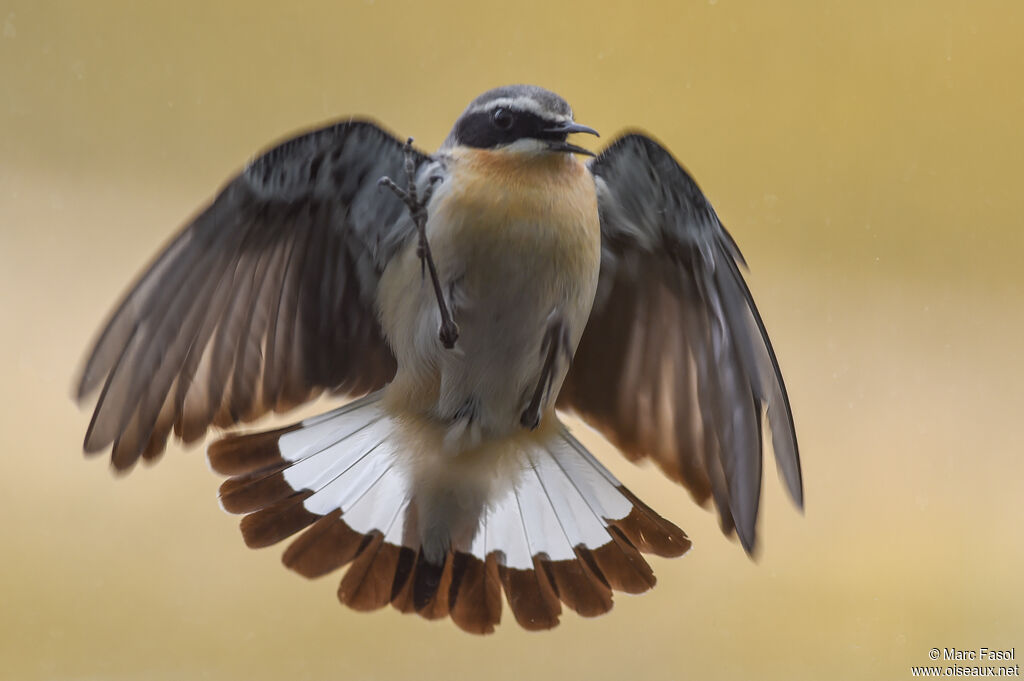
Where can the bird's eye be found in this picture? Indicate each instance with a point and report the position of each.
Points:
(503, 119)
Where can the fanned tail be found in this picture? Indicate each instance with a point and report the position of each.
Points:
(563, 531)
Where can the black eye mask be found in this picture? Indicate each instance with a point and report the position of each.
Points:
(490, 129)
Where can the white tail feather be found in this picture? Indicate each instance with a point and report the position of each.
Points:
(539, 498)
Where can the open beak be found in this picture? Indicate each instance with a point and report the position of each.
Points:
(568, 129)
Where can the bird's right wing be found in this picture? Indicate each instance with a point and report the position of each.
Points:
(262, 301)
(675, 363)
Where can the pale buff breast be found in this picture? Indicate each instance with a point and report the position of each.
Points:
(515, 237)
(519, 210)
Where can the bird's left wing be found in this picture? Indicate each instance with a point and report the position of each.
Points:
(675, 363)
(263, 300)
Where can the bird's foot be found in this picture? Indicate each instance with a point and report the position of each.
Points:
(555, 342)
(417, 205)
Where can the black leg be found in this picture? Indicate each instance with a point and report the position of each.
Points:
(556, 341)
(449, 332)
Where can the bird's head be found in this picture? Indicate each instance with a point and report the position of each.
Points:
(518, 118)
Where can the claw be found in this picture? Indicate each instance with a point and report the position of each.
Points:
(449, 331)
(555, 342)
(530, 419)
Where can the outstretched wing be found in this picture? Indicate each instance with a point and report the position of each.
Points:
(262, 301)
(675, 363)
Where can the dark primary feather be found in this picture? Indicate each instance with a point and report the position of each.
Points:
(263, 300)
(675, 363)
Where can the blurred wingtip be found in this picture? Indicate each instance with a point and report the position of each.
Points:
(796, 494)
(786, 449)
(754, 551)
(78, 392)
(747, 534)
(121, 468)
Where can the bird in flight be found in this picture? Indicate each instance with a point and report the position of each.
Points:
(464, 297)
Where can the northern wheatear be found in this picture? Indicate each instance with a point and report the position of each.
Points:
(608, 288)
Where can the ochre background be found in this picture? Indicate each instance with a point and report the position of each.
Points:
(867, 157)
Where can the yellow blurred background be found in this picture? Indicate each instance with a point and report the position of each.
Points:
(866, 156)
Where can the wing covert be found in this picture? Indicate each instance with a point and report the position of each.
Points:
(675, 363)
(262, 301)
